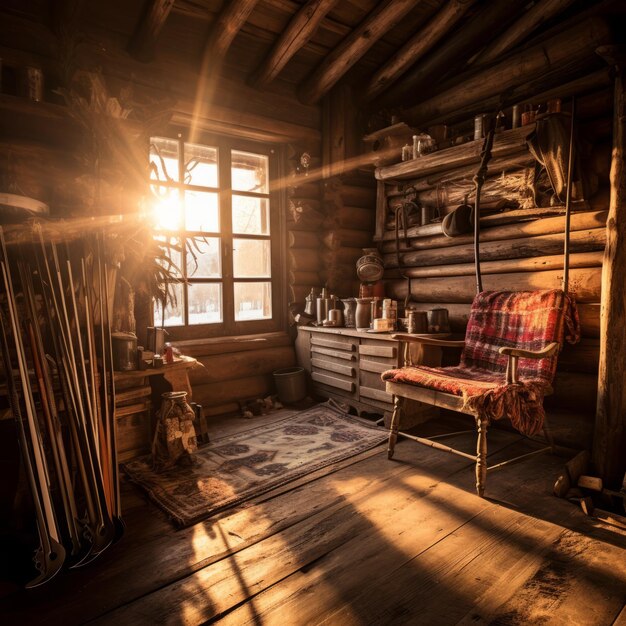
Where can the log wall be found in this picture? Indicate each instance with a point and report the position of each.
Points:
(521, 251)
(43, 155)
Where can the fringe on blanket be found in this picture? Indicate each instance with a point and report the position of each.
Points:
(522, 403)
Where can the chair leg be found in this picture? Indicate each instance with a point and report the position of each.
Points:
(398, 407)
(481, 456)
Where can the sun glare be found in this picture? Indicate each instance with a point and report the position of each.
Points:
(166, 211)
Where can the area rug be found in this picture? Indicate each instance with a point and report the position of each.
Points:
(242, 466)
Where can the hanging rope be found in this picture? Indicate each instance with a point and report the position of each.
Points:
(479, 180)
(568, 199)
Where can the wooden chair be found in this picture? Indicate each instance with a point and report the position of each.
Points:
(507, 366)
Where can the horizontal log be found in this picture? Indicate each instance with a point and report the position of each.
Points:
(589, 314)
(341, 256)
(550, 225)
(352, 217)
(533, 264)
(237, 365)
(353, 195)
(304, 278)
(226, 345)
(584, 283)
(303, 239)
(230, 391)
(304, 260)
(346, 237)
(581, 357)
(541, 245)
(306, 191)
(505, 143)
(570, 48)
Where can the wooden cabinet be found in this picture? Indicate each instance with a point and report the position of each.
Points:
(346, 364)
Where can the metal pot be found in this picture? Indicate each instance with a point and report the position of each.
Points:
(124, 346)
(438, 321)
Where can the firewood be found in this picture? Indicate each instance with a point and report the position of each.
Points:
(589, 482)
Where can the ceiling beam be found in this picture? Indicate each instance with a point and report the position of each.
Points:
(570, 50)
(417, 47)
(534, 17)
(228, 23)
(143, 42)
(353, 47)
(453, 53)
(301, 28)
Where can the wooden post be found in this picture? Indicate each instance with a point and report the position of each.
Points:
(610, 428)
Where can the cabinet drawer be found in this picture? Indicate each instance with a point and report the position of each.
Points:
(333, 366)
(336, 342)
(334, 381)
(376, 367)
(386, 350)
(337, 354)
(376, 394)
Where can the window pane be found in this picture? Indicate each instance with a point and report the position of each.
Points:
(253, 301)
(173, 311)
(170, 248)
(163, 159)
(205, 303)
(251, 258)
(249, 172)
(166, 208)
(200, 165)
(251, 215)
(203, 258)
(201, 212)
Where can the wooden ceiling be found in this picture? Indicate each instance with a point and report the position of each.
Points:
(392, 51)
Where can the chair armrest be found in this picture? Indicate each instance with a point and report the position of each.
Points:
(549, 350)
(514, 354)
(429, 341)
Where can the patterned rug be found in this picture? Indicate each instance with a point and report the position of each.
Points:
(242, 466)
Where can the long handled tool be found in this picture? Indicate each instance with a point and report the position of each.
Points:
(98, 525)
(49, 408)
(50, 554)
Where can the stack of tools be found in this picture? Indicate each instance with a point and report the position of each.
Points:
(56, 351)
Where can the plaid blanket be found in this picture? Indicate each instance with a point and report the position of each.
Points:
(528, 320)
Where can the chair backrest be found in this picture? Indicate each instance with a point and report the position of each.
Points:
(528, 320)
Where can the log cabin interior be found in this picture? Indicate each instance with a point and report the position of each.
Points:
(242, 242)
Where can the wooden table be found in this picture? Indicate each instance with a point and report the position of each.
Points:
(176, 374)
(136, 393)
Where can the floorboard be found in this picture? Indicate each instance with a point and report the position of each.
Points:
(366, 541)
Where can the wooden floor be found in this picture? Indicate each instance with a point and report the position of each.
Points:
(368, 541)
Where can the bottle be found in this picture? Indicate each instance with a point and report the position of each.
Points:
(407, 152)
(416, 146)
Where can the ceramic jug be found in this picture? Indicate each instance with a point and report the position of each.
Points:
(362, 315)
(349, 312)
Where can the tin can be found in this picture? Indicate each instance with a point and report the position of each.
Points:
(479, 126)
(515, 116)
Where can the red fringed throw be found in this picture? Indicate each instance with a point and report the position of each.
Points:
(528, 320)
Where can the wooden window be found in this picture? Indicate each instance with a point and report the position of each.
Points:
(214, 203)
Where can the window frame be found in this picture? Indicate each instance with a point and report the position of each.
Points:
(277, 237)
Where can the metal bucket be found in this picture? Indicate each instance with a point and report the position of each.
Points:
(290, 384)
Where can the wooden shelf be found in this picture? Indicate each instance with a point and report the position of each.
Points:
(504, 144)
